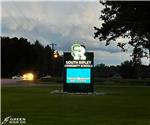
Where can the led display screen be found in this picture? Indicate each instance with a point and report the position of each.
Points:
(78, 75)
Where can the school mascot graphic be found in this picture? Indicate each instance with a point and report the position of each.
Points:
(78, 52)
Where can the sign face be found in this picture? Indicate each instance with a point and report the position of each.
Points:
(78, 70)
(78, 75)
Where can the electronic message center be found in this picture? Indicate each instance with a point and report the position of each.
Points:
(78, 70)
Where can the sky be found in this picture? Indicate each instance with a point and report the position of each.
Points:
(63, 23)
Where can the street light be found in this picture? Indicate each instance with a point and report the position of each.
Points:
(56, 55)
(55, 60)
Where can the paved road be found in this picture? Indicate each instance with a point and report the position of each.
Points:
(8, 81)
(19, 83)
(11, 83)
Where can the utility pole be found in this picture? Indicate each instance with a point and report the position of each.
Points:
(53, 46)
(53, 60)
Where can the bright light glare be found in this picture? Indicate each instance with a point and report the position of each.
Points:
(55, 55)
(28, 76)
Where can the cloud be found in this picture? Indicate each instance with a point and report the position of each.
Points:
(110, 58)
(63, 23)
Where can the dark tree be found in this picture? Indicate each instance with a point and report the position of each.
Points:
(16, 56)
(103, 71)
(49, 60)
(127, 19)
(19, 56)
(127, 70)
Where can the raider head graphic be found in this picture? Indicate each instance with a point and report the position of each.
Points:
(78, 52)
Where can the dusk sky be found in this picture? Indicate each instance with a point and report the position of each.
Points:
(63, 23)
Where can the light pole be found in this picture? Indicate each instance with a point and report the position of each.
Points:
(53, 46)
(54, 58)
(56, 55)
(53, 63)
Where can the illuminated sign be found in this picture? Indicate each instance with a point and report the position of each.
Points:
(78, 70)
(78, 51)
(78, 75)
(78, 63)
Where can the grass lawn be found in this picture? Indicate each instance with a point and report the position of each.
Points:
(120, 106)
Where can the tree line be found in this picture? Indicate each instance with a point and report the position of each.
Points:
(126, 70)
(20, 56)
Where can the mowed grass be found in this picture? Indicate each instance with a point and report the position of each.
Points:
(120, 106)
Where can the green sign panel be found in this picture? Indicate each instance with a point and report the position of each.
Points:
(78, 70)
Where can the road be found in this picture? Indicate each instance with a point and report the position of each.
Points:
(19, 83)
